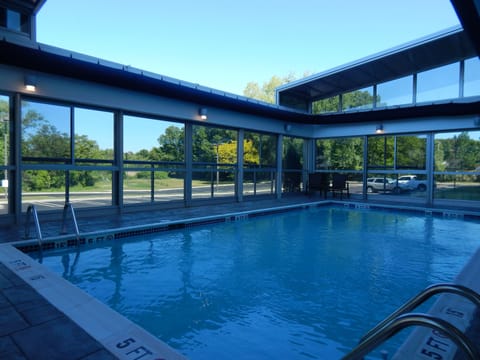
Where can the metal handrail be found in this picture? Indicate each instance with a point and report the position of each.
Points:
(424, 296)
(409, 319)
(32, 211)
(68, 206)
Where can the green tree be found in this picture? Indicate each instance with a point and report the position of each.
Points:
(266, 91)
(172, 145)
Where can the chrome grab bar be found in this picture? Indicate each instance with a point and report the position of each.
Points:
(424, 296)
(32, 211)
(409, 319)
(68, 206)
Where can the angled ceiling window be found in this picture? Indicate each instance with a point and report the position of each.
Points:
(13, 20)
(439, 84)
(471, 86)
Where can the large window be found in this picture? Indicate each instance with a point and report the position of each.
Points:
(457, 166)
(341, 155)
(439, 83)
(154, 160)
(59, 167)
(397, 166)
(214, 152)
(292, 164)
(259, 162)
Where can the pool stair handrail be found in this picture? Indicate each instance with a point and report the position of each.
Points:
(32, 213)
(423, 296)
(383, 330)
(411, 319)
(68, 206)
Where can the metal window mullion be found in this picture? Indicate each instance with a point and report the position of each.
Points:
(278, 180)
(187, 183)
(461, 79)
(16, 197)
(117, 174)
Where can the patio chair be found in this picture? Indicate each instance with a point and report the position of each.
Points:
(340, 185)
(318, 182)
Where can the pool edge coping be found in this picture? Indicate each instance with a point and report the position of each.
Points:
(118, 335)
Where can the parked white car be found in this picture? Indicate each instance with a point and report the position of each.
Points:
(411, 182)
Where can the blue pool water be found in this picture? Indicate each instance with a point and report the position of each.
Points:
(299, 285)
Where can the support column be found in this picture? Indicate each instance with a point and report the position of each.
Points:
(239, 172)
(278, 180)
(187, 182)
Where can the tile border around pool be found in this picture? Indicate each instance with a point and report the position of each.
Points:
(117, 334)
(66, 241)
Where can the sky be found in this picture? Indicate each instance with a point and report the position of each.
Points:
(226, 44)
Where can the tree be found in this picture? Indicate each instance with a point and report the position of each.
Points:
(266, 92)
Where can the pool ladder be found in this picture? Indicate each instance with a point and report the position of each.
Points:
(402, 318)
(32, 213)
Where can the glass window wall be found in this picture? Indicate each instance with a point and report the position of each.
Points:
(457, 167)
(259, 162)
(214, 152)
(154, 159)
(292, 164)
(341, 155)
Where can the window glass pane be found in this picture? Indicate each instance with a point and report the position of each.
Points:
(45, 132)
(459, 151)
(339, 154)
(90, 188)
(152, 140)
(395, 92)
(411, 152)
(93, 134)
(438, 84)
(292, 164)
(380, 152)
(214, 152)
(259, 162)
(328, 105)
(358, 99)
(43, 188)
(13, 20)
(472, 77)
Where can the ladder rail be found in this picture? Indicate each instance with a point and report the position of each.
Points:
(68, 206)
(411, 319)
(423, 296)
(32, 212)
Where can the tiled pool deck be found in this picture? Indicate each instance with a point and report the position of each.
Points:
(72, 325)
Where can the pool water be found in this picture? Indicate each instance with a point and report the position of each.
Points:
(298, 285)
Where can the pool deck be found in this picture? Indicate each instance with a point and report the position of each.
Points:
(42, 316)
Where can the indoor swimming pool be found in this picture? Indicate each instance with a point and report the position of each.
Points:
(304, 284)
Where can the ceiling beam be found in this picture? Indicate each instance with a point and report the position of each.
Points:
(468, 12)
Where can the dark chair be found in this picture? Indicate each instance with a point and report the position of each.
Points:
(339, 185)
(318, 182)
